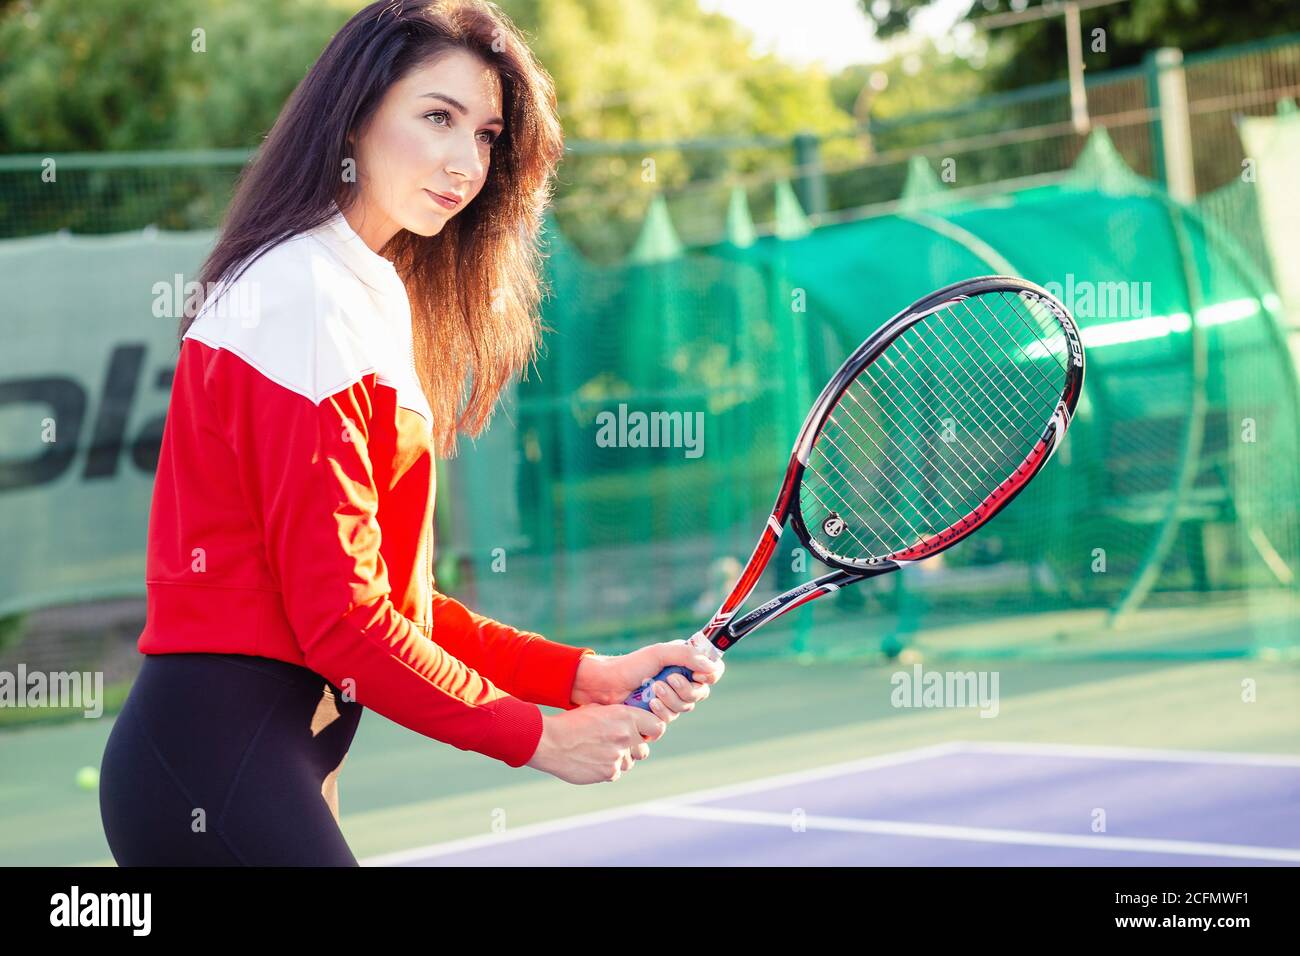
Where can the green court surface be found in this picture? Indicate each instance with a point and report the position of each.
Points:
(400, 791)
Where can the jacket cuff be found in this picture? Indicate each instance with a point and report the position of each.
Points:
(546, 673)
(515, 731)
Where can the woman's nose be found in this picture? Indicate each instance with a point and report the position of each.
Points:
(464, 159)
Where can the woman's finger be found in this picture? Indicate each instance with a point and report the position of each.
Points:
(688, 691)
(704, 671)
(663, 711)
(679, 701)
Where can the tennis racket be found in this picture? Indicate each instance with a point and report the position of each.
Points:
(929, 429)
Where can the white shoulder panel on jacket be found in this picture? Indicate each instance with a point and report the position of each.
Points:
(304, 318)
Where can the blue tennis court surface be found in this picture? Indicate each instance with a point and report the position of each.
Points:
(959, 804)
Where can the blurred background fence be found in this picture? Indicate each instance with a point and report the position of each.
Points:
(1167, 527)
(1028, 132)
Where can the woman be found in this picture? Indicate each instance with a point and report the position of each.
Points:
(374, 287)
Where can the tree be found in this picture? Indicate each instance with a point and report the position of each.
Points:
(116, 75)
(138, 74)
(656, 72)
(1036, 50)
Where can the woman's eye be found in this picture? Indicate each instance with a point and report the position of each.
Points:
(442, 118)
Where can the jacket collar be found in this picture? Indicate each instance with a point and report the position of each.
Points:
(338, 234)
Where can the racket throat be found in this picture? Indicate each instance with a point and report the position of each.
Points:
(704, 646)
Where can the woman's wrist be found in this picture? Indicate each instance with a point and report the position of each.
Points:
(590, 680)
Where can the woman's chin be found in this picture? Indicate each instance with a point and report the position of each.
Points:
(426, 225)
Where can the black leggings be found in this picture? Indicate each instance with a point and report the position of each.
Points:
(227, 760)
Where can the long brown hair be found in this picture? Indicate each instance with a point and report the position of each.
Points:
(475, 287)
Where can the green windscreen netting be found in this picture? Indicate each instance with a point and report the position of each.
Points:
(1166, 525)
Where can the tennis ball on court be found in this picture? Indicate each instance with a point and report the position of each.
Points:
(87, 778)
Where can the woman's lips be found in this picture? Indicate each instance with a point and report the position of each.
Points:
(447, 202)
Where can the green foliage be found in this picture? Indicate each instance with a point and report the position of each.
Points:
(624, 69)
(12, 627)
(654, 71)
(131, 75)
(917, 81)
(1036, 50)
(138, 74)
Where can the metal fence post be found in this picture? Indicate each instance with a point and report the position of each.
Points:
(810, 183)
(1171, 129)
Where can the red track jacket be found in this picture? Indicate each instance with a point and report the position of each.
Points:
(293, 505)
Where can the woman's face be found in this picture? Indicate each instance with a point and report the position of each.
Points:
(424, 156)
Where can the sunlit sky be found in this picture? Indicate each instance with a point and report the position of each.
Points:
(835, 32)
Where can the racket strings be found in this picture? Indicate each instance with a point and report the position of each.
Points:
(969, 461)
(1051, 340)
(889, 492)
(855, 488)
(1006, 389)
(962, 393)
(1003, 389)
(980, 359)
(862, 430)
(1046, 328)
(926, 432)
(895, 492)
(862, 525)
(951, 477)
(973, 458)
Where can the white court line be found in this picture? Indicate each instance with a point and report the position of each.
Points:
(936, 831)
(713, 793)
(1131, 753)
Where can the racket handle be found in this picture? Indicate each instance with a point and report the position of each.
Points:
(642, 697)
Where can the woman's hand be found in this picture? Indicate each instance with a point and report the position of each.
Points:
(595, 744)
(611, 680)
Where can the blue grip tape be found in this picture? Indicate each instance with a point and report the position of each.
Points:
(642, 697)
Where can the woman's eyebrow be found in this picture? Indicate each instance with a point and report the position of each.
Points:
(461, 107)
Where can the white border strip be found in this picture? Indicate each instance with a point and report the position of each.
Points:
(936, 831)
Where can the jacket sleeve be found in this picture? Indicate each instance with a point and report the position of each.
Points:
(525, 664)
(305, 468)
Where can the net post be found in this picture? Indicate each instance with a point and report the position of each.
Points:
(1175, 126)
(1078, 92)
